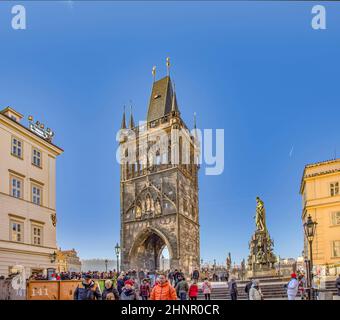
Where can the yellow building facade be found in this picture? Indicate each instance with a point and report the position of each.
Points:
(68, 261)
(27, 195)
(320, 190)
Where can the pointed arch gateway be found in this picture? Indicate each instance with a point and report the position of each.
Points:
(146, 250)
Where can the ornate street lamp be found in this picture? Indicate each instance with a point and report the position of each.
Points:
(106, 261)
(53, 257)
(117, 250)
(309, 227)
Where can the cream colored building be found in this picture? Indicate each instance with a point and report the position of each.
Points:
(320, 189)
(68, 261)
(27, 194)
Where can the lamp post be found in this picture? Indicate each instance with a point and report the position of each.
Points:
(309, 227)
(162, 258)
(106, 261)
(117, 250)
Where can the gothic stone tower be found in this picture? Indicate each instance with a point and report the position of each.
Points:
(159, 189)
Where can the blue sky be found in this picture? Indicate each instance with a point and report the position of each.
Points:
(256, 69)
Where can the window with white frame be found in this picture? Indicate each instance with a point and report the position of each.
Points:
(16, 187)
(36, 194)
(36, 157)
(16, 147)
(336, 248)
(334, 188)
(37, 234)
(17, 231)
(336, 218)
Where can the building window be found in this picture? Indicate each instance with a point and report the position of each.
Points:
(36, 157)
(37, 235)
(334, 188)
(336, 218)
(16, 187)
(17, 147)
(36, 194)
(336, 248)
(17, 231)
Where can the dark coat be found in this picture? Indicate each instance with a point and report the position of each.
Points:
(110, 290)
(247, 287)
(337, 284)
(86, 291)
(196, 275)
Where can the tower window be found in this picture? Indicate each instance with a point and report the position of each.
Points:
(334, 188)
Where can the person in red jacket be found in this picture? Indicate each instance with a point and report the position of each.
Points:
(193, 291)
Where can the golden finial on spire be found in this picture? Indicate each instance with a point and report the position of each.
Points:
(154, 73)
(168, 66)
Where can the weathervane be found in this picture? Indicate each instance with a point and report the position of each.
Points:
(154, 73)
(39, 129)
(168, 66)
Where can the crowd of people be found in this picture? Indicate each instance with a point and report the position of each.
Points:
(142, 285)
(171, 285)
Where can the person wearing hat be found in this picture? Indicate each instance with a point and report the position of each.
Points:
(87, 290)
(128, 291)
(292, 287)
(255, 291)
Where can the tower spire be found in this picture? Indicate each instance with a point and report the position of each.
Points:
(168, 66)
(194, 120)
(154, 73)
(123, 126)
(131, 123)
(173, 102)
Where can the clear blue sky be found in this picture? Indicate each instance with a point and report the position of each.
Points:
(256, 69)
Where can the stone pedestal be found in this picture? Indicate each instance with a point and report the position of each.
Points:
(261, 258)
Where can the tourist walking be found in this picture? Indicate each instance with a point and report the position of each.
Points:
(233, 289)
(247, 288)
(144, 289)
(87, 290)
(292, 287)
(163, 290)
(171, 277)
(110, 292)
(193, 291)
(302, 286)
(182, 288)
(337, 284)
(120, 284)
(206, 288)
(255, 291)
(128, 291)
(195, 275)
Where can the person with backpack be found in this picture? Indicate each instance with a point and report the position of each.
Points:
(87, 290)
(255, 291)
(247, 288)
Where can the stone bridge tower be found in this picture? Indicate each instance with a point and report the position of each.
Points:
(159, 187)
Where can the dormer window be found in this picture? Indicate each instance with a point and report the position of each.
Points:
(156, 96)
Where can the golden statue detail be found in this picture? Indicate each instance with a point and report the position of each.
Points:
(260, 217)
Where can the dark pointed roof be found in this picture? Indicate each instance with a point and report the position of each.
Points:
(161, 99)
(131, 123)
(123, 126)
